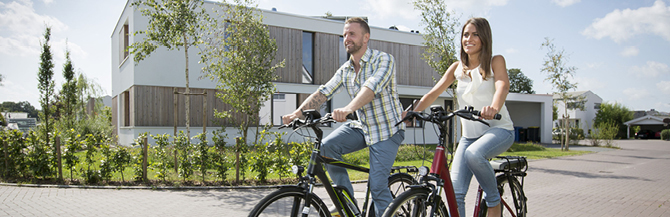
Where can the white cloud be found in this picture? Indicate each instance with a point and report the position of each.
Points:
(565, 3)
(511, 51)
(47, 1)
(24, 27)
(635, 93)
(664, 87)
(590, 83)
(630, 51)
(621, 25)
(652, 69)
(594, 65)
(474, 7)
(391, 8)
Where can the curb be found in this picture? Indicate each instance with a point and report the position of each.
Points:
(110, 187)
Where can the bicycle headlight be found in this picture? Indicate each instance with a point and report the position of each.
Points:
(297, 169)
(423, 170)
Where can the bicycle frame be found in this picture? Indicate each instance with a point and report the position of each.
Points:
(439, 171)
(315, 169)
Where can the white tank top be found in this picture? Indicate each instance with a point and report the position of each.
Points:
(477, 92)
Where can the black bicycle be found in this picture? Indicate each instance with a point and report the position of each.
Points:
(299, 200)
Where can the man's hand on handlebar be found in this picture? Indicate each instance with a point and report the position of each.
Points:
(287, 119)
(340, 114)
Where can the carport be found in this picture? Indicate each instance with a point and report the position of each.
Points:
(647, 122)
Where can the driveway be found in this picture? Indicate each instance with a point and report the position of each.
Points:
(631, 181)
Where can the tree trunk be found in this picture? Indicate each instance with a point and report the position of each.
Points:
(188, 102)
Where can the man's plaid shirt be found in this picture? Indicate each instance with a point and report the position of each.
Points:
(377, 119)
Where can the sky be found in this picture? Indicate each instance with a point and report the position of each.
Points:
(621, 48)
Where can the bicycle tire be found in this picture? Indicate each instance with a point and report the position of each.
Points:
(415, 202)
(398, 183)
(507, 193)
(286, 201)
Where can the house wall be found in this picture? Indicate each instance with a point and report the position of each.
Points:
(143, 98)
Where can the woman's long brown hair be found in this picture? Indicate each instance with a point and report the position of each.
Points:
(485, 55)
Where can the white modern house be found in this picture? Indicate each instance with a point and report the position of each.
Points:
(579, 118)
(143, 98)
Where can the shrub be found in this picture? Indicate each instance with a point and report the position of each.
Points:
(185, 149)
(162, 155)
(219, 159)
(202, 157)
(665, 134)
(604, 132)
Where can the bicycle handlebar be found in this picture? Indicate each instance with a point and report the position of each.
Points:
(313, 118)
(438, 115)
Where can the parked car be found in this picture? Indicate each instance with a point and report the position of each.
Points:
(644, 134)
(657, 135)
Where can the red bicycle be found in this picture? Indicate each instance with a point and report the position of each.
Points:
(425, 199)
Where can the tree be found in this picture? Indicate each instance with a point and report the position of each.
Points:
(68, 92)
(174, 25)
(46, 82)
(240, 58)
(23, 106)
(559, 74)
(519, 83)
(440, 36)
(616, 114)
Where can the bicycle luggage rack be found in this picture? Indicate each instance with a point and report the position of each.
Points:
(408, 169)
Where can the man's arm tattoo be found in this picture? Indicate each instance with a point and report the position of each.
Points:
(314, 101)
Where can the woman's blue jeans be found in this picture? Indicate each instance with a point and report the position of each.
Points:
(471, 158)
(346, 139)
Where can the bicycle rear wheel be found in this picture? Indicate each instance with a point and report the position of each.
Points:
(512, 194)
(415, 202)
(289, 201)
(508, 193)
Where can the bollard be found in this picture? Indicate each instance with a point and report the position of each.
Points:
(58, 158)
(144, 159)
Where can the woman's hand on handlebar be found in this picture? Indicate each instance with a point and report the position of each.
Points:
(488, 113)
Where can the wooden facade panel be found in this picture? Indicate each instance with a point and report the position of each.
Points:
(289, 48)
(154, 106)
(410, 68)
(115, 115)
(326, 57)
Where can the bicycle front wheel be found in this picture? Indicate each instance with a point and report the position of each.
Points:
(289, 201)
(415, 202)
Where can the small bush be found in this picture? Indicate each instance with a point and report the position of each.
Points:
(517, 147)
(665, 134)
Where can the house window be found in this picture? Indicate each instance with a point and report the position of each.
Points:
(343, 55)
(125, 108)
(307, 57)
(279, 97)
(596, 105)
(123, 43)
(283, 104)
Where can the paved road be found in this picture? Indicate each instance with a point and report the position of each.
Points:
(631, 181)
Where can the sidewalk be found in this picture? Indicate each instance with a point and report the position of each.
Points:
(631, 181)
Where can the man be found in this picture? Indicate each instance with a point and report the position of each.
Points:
(369, 78)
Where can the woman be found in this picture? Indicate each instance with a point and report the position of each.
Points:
(482, 83)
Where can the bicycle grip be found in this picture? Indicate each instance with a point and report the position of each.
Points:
(497, 116)
(351, 116)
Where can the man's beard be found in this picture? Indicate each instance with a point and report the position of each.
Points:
(355, 48)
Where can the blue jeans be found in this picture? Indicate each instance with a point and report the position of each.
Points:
(471, 157)
(346, 139)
